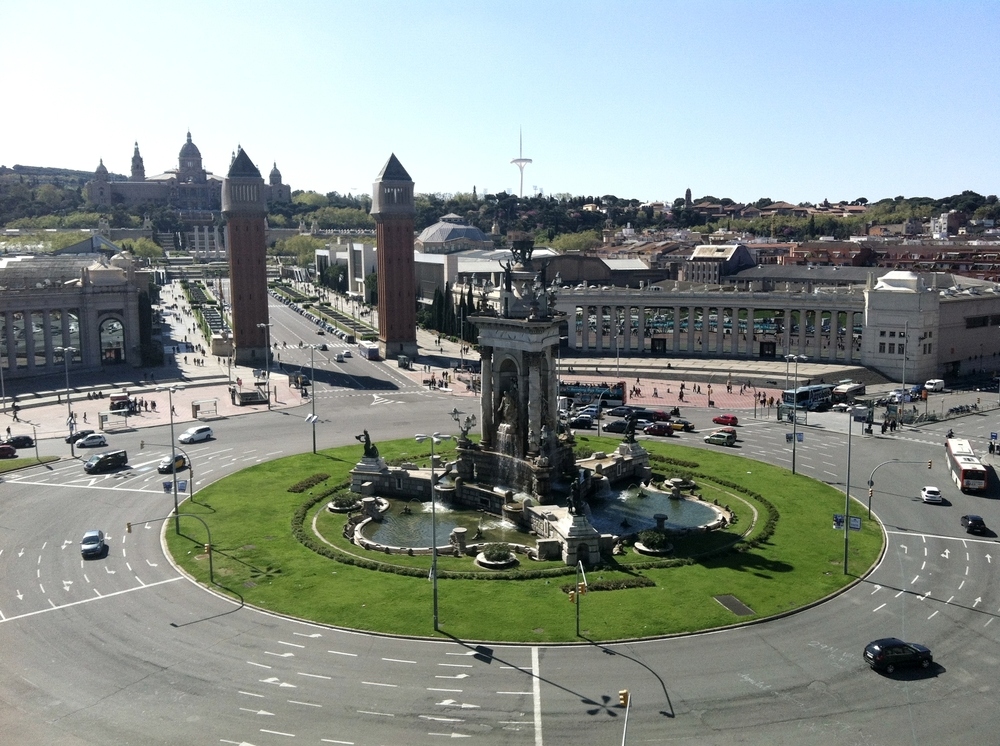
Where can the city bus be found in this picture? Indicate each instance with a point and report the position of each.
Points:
(967, 471)
(847, 392)
(581, 394)
(814, 398)
(368, 350)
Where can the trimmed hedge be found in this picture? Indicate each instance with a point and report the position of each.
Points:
(308, 482)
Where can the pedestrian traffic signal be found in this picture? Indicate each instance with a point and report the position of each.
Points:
(929, 462)
(623, 697)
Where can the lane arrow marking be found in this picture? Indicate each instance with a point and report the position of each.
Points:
(978, 601)
(945, 553)
(257, 712)
(459, 676)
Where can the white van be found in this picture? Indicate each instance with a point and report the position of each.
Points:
(935, 384)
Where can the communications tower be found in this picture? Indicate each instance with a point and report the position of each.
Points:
(520, 161)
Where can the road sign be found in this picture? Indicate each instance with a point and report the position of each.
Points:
(799, 438)
(855, 523)
(838, 521)
(788, 437)
(182, 485)
(993, 436)
(167, 487)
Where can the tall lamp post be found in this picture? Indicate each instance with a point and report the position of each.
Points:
(173, 450)
(3, 387)
(795, 402)
(67, 352)
(267, 359)
(312, 394)
(847, 490)
(434, 439)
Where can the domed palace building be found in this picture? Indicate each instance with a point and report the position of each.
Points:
(188, 188)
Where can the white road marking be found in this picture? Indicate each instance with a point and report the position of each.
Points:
(397, 660)
(337, 652)
(383, 714)
(304, 704)
(375, 683)
(536, 696)
(250, 694)
(450, 691)
(257, 712)
(878, 607)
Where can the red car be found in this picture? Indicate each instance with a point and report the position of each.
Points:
(7, 451)
(726, 419)
(659, 428)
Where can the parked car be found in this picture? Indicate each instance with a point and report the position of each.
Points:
(720, 439)
(930, 494)
(195, 434)
(19, 441)
(77, 435)
(8, 451)
(179, 463)
(92, 543)
(94, 440)
(726, 419)
(582, 421)
(659, 428)
(935, 384)
(683, 425)
(890, 653)
(973, 524)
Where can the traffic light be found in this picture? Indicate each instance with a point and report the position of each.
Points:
(208, 549)
(871, 493)
(581, 588)
(142, 445)
(929, 463)
(623, 697)
(572, 597)
(128, 527)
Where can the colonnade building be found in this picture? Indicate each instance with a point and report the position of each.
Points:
(86, 304)
(906, 326)
(903, 325)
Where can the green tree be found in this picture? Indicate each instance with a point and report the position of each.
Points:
(302, 248)
(143, 247)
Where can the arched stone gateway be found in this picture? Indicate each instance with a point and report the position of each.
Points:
(112, 341)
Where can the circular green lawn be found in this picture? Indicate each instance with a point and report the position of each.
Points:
(275, 546)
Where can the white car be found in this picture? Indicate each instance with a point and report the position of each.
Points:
(195, 434)
(931, 495)
(935, 384)
(94, 440)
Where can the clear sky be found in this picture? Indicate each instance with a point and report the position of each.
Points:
(796, 100)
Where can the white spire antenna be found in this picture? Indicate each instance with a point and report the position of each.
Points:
(520, 161)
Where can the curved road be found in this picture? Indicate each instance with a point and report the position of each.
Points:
(123, 650)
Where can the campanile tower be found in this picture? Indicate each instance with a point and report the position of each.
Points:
(393, 210)
(244, 207)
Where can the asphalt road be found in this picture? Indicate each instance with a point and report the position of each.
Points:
(124, 650)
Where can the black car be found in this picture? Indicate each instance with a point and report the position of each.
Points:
(973, 524)
(19, 441)
(622, 411)
(78, 435)
(890, 653)
(582, 421)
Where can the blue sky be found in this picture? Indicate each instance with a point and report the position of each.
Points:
(789, 100)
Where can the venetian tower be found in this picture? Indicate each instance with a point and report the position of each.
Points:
(245, 209)
(393, 210)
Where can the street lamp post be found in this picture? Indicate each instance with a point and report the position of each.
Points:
(173, 450)
(267, 359)
(434, 440)
(67, 352)
(847, 490)
(3, 387)
(795, 402)
(312, 393)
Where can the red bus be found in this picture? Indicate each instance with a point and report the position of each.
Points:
(967, 471)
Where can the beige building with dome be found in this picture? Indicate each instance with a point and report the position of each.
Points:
(189, 187)
(87, 302)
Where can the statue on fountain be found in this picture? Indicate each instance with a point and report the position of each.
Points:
(371, 450)
(630, 423)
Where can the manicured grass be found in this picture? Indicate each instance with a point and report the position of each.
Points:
(13, 464)
(256, 557)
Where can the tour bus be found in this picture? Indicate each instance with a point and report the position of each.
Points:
(967, 471)
(847, 392)
(368, 350)
(581, 394)
(814, 398)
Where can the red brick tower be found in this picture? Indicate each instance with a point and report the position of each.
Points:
(393, 210)
(245, 209)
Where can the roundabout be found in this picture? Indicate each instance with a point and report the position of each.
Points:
(774, 554)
